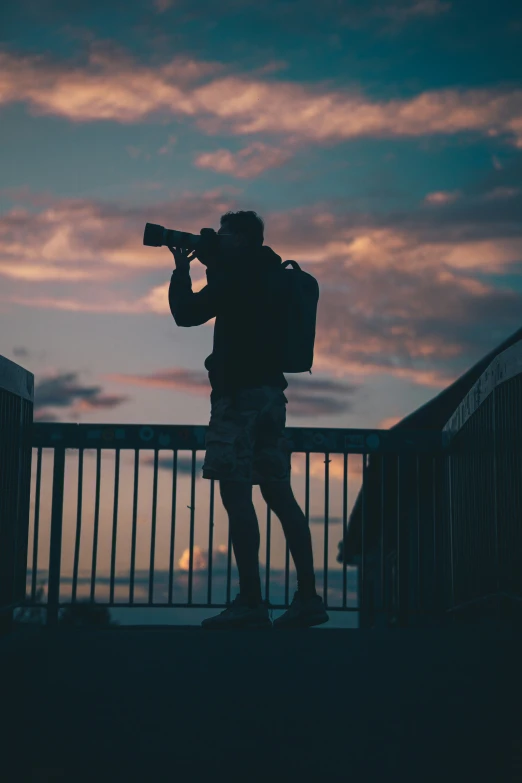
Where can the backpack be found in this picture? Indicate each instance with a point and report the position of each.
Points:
(301, 294)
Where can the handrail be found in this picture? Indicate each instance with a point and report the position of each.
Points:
(504, 367)
(63, 437)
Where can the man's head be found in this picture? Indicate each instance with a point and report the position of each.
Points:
(243, 232)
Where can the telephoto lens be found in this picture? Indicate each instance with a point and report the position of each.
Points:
(156, 236)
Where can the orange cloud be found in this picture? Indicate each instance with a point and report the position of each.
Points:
(393, 299)
(157, 299)
(90, 241)
(112, 86)
(323, 396)
(199, 560)
(72, 240)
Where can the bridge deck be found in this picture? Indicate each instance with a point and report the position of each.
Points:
(187, 704)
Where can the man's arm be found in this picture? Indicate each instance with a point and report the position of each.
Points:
(193, 309)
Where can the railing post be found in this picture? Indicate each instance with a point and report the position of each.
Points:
(55, 553)
(403, 553)
(495, 487)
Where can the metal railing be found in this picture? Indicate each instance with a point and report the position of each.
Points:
(485, 491)
(440, 510)
(465, 536)
(400, 544)
(157, 438)
(16, 418)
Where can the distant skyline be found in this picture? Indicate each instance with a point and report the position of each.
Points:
(380, 142)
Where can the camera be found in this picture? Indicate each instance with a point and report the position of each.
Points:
(156, 236)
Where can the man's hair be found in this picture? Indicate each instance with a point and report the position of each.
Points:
(248, 223)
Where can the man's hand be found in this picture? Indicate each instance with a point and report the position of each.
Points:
(182, 257)
(209, 248)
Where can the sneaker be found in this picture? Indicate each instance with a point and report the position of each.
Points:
(303, 613)
(239, 614)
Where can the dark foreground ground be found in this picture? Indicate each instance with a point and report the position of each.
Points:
(184, 704)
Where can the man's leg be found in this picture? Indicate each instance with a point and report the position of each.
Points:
(280, 499)
(244, 532)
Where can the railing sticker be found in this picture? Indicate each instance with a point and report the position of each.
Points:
(372, 441)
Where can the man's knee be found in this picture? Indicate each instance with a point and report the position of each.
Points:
(276, 492)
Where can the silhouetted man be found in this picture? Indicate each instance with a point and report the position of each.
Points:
(245, 442)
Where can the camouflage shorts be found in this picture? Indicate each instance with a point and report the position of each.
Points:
(245, 440)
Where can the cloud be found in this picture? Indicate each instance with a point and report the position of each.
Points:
(388, 17)
(114, 87)
(402, 13)
(192, 381)
(310, 17)
(167, 147)
(442, 197)
(502, 193)
(319, 520)
(406, 294)
(73, 240)
(248, 162)
(183, 464)
(20, 352)
(389, 422)
(310, 397)
(61, 390)
(448, 197)
(168, 586)
(157, 300)
(199, 560)
(507, 174)
(316, 465)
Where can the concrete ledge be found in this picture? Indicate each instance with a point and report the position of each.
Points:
(16, 379)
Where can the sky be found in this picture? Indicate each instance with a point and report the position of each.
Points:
(381, 143)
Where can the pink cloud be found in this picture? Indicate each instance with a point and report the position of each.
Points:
(394, 296)
(321, 397)
(442, 197)
(248, 162)
(72, 240)
(94, 242)
(112, 86)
